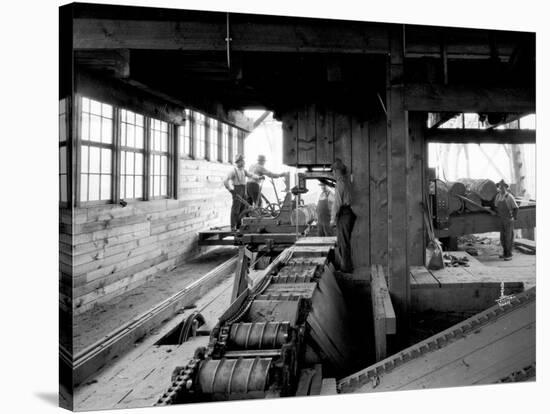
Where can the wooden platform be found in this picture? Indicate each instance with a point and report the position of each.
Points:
(484, 349)
(219, 236)
(460, 289)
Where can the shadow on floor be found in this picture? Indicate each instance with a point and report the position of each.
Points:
(51, 398)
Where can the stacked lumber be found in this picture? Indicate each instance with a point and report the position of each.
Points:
(525, 246)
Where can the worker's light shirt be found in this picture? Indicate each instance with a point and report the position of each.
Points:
(505, 204)
(260, 171)
(237, 176)
(342, 195)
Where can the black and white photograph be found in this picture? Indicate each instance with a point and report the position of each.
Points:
(264, 206)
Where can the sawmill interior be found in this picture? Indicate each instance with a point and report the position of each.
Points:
(163, 301)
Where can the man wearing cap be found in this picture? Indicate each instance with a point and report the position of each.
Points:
(324, 208)
(235, 184)
(507, 210)
(342, 216)
(253, 185)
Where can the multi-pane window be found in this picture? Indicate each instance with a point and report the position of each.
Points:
(63, 151)
(225, 143)
(234, 141)
(132, 152)
(185, 136)
(213, 136)
(158, 159)
(96, 134)
(199, 144)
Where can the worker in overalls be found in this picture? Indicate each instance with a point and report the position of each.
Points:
(342, 216)
(507, 210)
(235, 183)
(253, 185)
(324, 208)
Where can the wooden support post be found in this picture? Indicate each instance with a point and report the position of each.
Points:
(416, 187)
(382, 311)
(398, 179)
(241, 273)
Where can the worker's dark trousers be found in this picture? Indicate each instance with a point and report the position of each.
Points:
(323, 219)
(238, 206)
(254, 193)
(345, 219)
(507, 235)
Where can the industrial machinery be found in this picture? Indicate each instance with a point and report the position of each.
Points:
(270, 332)
(289, 333)
(292, 218)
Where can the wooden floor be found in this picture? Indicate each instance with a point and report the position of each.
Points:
(464, 289)
(482, 350)
(140, 377)
(98, 322)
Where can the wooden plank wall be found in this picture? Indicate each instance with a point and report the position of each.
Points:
(114, 249)
(360, 240)
(316, 136)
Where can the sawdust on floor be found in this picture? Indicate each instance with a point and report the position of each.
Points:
(489, 248)
(92, 325)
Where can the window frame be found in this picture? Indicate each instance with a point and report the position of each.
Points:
(80, 143)
(64, 104)
(180, 132)
(121, 149)
(116, 154)
(199, 120)
(151, 152)
(213, 133)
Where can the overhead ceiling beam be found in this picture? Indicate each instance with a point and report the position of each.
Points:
(279, 34)
(461, 98)
(481, 136)
(246, 36)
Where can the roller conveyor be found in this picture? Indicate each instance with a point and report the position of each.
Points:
(276, 332)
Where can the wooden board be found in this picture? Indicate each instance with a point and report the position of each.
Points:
(415, 189)
(290, 137)
(378, 161)
(342, 139)
(483, 356)
(325, 136)
(383, 313)
(360, 238)
(316, 241)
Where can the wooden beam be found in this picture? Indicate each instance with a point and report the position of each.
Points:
(466, 98)
(382, 311)
(398, 180)
(138, 97)
(247, 35)
(475, 223)
(114, 61)
(481, 136)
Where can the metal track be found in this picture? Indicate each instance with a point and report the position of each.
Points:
(459, 331)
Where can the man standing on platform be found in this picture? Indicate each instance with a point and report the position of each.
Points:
(507, 210)
(324, 208)
(253, 185)
(342, 216)
(235, 184)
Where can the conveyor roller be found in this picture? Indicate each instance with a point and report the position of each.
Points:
(258, 335)
(239, 378)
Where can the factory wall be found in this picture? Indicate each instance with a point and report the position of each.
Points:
(109, 249)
